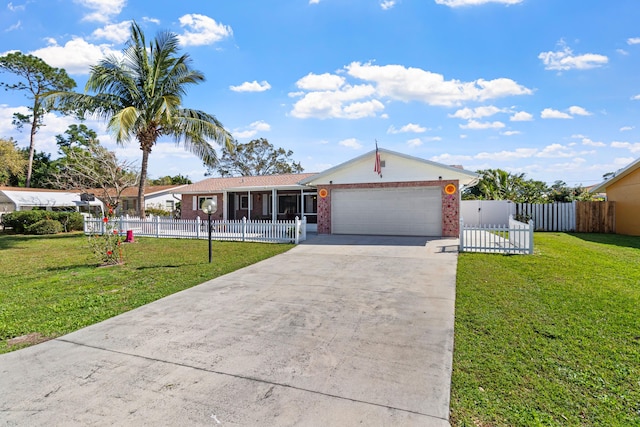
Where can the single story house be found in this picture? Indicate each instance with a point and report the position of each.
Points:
(23, 199)
(381, 193)
(157, 197)
(624, 189)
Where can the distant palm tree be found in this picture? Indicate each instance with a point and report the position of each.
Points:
(141, 94)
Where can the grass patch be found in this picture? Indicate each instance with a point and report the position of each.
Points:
(551, 338)
(51, 285)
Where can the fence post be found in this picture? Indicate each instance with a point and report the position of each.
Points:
(198, 223)
(530, 237)
(304, 228)
(244, 227)
(121, 226)
(296, 230)
(460, 248)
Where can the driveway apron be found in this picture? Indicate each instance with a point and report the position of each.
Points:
(340, 330)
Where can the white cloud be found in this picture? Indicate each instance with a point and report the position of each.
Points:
(510, 132)
(410, 127)
(476, 125)
(414, 84)
(633, 40)
(253, 86)
(589, 142)
(636, 97)
(622, 52)
(13, 8)
(152, 20)
(460, 3)
(578, 111)
(102, 10)
(451, 159)
(13, 27)
(351, 143)
(559, 151)
(634, 147)
(627, 128)
(76, 56)
(387, 4)
(476, 113)
(342, 103)
(415, 142)
(549, 113)
(252, 130)
(117, 33)
(521, 116)
(202, 30)
(324, 81)
(432, 139)
(566, 60)
(314, 1)
(518, 153)
(330, 96)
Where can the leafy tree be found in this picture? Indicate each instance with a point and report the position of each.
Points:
(170, 180)
(257, 157)
(497, 184)
(95, 168)
(12, 162)
(37, 79)
(78, 136)
(141, 97)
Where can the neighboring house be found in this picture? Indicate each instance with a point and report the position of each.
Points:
(624, 189)
(266, 197)
(410, 196)
(24, 199)
(157, 197)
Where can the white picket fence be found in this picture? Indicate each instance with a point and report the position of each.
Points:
(513, 238)
(293, 231)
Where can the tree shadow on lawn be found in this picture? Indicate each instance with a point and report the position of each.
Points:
(9, 239)
(609, 239)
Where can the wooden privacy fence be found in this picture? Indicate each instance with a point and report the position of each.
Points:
(582, 217)
(595, 217)
(293, 231)
(513, 238)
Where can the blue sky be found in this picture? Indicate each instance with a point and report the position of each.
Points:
(545, 87)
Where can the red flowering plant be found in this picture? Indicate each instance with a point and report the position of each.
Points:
(106, 244)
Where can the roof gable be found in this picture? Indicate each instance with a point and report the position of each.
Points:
(627, 170)
(397, 167)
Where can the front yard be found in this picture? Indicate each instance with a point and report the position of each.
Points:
(51, 286)
(549, 339)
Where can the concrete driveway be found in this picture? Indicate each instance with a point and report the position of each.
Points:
(339, 331)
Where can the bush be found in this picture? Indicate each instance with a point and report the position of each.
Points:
(44, 226)
(20, 221)
(157, 212)
(71, 221)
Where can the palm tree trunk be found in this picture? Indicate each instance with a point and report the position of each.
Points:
(143, 180)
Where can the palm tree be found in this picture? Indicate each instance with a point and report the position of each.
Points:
(141, 94)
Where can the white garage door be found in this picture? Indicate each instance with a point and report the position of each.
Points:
(415, 211)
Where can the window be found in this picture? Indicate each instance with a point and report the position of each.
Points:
(244, 202)
(288, 204)
(202, 199)
(169, 204)
(310, 204)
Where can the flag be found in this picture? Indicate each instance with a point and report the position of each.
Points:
(377, 168)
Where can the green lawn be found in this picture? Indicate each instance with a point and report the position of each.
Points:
(52, 285)
(551, 338)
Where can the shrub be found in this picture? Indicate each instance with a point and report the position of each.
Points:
(19, 220)
(157, 212)
(44, 226)
(71, 221)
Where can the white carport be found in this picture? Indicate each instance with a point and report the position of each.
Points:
(23, 199)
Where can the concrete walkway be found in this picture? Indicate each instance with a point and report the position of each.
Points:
(339, 331)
